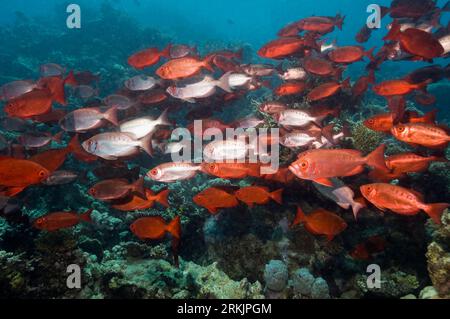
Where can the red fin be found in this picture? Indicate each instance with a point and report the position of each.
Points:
(277, 196)
(207, 63)
(162, 198)
(324, 182)
(57, 137)
(346, 84)
(327, 132)
(146, 144)
(435, 211)
(369, 54)
(166, 52)
(376, 158)
(339, 21)
(12, 191)
(70, 79)
(138, 187)
(299, 218)
(87, 216)
(394, 33)
(174, 227)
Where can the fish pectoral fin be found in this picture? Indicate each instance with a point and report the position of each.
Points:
(380, 208)
(324, 181)
(330, 237)
(12, 191)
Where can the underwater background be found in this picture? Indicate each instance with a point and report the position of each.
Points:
(243, 252)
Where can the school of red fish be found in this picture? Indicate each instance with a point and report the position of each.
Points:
(110, 132)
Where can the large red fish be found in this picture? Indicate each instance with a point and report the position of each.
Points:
(422, 134)
(117, 188)
(323, 164)
(397, 87)
(183, 68)
(215, 198)
(321, 222)
(401, 200)
(252, 195)
(416, 42)
(281, 48)
(138, 203)
(350, 54)
(61, 220)
(326, 90)
(36, 102)
(232, 170)
(147, 57)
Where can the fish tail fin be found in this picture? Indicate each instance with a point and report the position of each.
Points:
(224, 82)
(358, 204)
(423, 86)
(435, 211)
(208, 63)
(147, 144)
(74, 145)
(299, 218)
(376, 158)
(340, 21)
(394, 32)
(174, 227)
(346, 84)
(162, 198)
(430, 117)
(277, 196)
(369, 54)
(327, 132)
(70, 79)
(138, 187)
(166, 52)
(446, 7)
(371, 76)
(86, 216)
(163, 119)
(57, 137)
(111, 116)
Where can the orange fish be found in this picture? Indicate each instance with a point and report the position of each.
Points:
(350, 54)
(183, 68)
(415, 41)
(214, 199)
(321, 222)
(320, 67)
(112, 189)
(401, 200)
(327, 89)
(381, 122)
(290, 88)
(232, 170)
(397, 87)
(53, 159)
(147, 57)
(428, 135)
(155, 228)
(322, 164)
(56, 87)
(258, 195)
(36, 102)
(137, 203)
(282, 48)
(60, 220)
(17, 174)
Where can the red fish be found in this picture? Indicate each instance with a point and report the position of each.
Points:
(291, 88)
(283, 176)
(350, 54)
(17, 174)
(232, 170)
(183, 68)
(53, 159)
(61, 220)
(56, 87)
(138, 203)
(258, 195)
(155, 228)
(282, 48)
(214, 199)
(321, 25)
(148, 57)
(401, 200)
(397, 87)
(367, 249)
(36, 102)
(362, 85)
(322, 164)
(327, 89)
(416, 42)
(321, 222)
(153, 97)
(428, 135)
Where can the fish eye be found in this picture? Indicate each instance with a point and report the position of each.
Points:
(304, 165)
(369, 188)
(92, 191)
(371, 121)
(42, 174)
(401, 128)
(154, 172)
(40, 221)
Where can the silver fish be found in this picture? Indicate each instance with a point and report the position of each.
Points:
(140, 83)
(37, 140)
(115, 145)
(296, 118)
(60, 178)
(15, 89)
(86, 119)
(144, 126)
